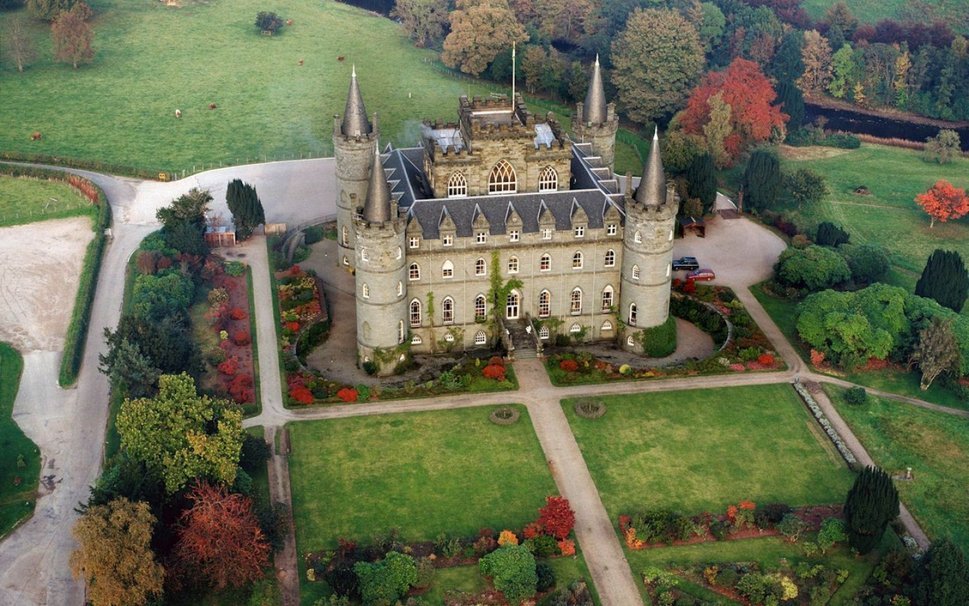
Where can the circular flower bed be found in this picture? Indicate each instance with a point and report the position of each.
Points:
(590, 408)
(504, 416)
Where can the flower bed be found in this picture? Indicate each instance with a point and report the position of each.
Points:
(822, 420)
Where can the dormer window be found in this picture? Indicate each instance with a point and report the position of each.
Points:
(447, 239)
(546, 233)
(579, 231)
(457, 186)
(612, 229)
(414, 242)
(481, 237)
(548, 179)
(514, 235)
(502, 179)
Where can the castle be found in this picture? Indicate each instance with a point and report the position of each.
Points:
(499, 226)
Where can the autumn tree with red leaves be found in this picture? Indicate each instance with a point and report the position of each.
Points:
(943, 201)
(220, 542)
(557, 517)
(748, 93)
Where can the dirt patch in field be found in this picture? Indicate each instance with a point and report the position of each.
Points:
(814, 152)
(40, 266)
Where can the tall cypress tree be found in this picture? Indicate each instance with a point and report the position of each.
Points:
(944, 279)
(701, 180)
(792, 103)
(246, 209)
(870, 505)
(762, 180)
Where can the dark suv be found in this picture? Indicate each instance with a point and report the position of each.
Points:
(687, 263)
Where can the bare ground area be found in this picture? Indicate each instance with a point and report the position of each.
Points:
(40, 267)
(814, 152)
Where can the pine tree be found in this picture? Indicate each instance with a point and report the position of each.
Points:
(701, 179)
(830, 234)
(246, 209)
(870, 505)
(762, 180)
(944, 279)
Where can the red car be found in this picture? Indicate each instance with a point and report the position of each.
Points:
(701, 274)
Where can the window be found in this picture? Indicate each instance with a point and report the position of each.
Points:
(480, 268)
(414, 271)
(345, 236)
(669, 237)
(366, 330)
(546, 233)
(668, 268)
(400, 288)
(364, 255)
(578, 231)
(502, 179)
(345, 260)
(447, 270)
(365, 291)
(610, 258)
(632, 314)
(606, 326)
(630, 342)
(480, 338)
(575, 329)
(447, 239)
(544, 333)
(481, 237)
(635, 272)
(575, 306)
(638, 238)
(457, 186)
(400, 331)
(480, 307)
(416, 340)
(513, 265)
(414, 242)
(544, 304)
(548, 179)
(514, 235)
(607, 298)
(545, 263)
(400, 253)
(447, 310)
(512, 306)
(577, 260)
(449, 337)
(611, 229)
(415, 313)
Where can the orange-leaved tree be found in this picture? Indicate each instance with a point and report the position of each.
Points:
(943, 201)
(220, 541)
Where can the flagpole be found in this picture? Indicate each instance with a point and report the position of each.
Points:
(513, 75)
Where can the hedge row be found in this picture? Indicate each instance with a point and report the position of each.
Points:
(93, 165)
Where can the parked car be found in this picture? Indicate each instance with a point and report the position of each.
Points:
(701, 274)
(687, 263)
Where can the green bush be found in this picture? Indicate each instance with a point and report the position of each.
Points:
(546, 577)
(813, 268)
(542, 546)
(868, 262)
(708, 320)
(727, 577)
(313, 234)
(385, 581)
(856, 395)
(659, 341)
(512, 569)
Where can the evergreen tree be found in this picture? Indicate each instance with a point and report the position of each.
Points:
(788, 65)
(791, 100)
(762, 180)
(944, 279)
(701, 180)
(830, 234)
(871, 504)
(246, 209)
(942, 578)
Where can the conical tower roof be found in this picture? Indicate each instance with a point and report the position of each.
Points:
(652, 187)
(355, 122)
(594, 110)
(376, 209)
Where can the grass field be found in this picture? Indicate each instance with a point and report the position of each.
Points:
(701, 450)
(934, 445)
(16, 499)
(25, 200)
(954, 12)
(151, 59)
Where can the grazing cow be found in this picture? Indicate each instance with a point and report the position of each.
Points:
(340, 58)
(289, 21)
(178, 113)
(300, 62)
(212, 106)
(35, 136)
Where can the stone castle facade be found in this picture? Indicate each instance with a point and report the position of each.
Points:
(499, 226)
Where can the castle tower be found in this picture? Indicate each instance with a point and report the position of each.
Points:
(647, 251)
(354, 142)
(597, 121)
(381, 276)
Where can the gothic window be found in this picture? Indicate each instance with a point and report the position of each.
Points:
(345, 236)
(544, 304)
(480, 307)
(579, 231)
(514, 235)
(480, 338)
(502, 179)
(447, 270)
(610, 258)
(548, 179)
(415, 313)
(638, 238)
(607, 298)
(414, 242)
(575, 306)
(632, 314)
(611, 229)
(544, 333)
(364, 255)
(414, 272)
(457, 186)
(513, 265)
(447, 309)
(545, 263)
(575, 329)
(481, 237)
(635, 272)
(447, 239)
(606, 326)
(365, 291)
(480, 268)
(577, 260)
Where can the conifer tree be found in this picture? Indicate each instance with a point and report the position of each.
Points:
(944, 279)
(246, 209)
(830, 234)
(942, 577)
(870, 505)
(701, 179)
(762, 180)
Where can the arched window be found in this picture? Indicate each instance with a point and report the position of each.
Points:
(480, 307)
(447, 270)
(480, 338)
(606, 326)
(502, 179)
(447, 310)
(575, 305)
(668, 268)
(416, 340)
(512, 306)
(544, 333)
(610, 258)
(345, 236)
(635, 272)
(632, 314)
(577, 260)
(630, 341)
(607, 298)
(415, 313)
(480, 268)
(545, 263)
(400, 252)
(638, 238)
(400, 288)
(457, 186)
(513, 265)
(575, 328)
(414, 272)
(548, 179)
(544, 304)
(365, 291)
(400, 331)
(345, 260)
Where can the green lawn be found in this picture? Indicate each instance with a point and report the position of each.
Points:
(934, 445)
(955, 12)
(701, 450)
(151, 59)
(25, 200)
(18, 480)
